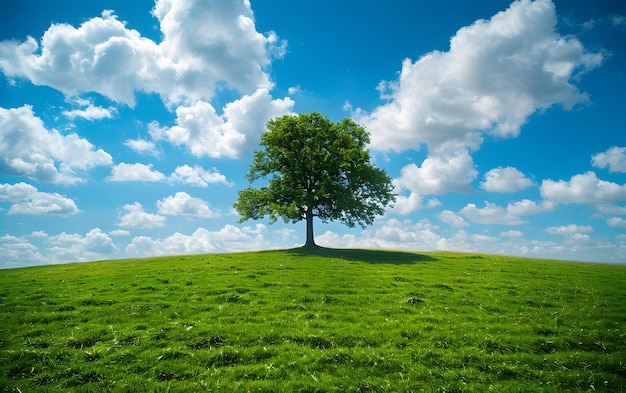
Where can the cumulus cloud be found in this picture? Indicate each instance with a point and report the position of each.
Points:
(334, 240)
(477, 238)
(277, 47)
(496, 73)
(507, 179)
(294, 90)
(570, 229)
(119, 232)
(27, 199)
(101, 55)
(198, 176)
(28, 149)
(205, 45)
(229, 238)
(396, 232)
(142, 146)
(405, 234)
(61, 248)
(212, 41)
(611, 209)
(136, 217)
(440, 173)
(183, 204)
(526, 207)
(584, 189)
(616, 222)
(391, 234)
(77, 247)
(89, 112)
(406, 204)
(184, 174)
(451, 218)
(19, 251)
(135, 172)
(490, 214)
(614, 158)
(498, 215)
(205, 133)
(512, 234)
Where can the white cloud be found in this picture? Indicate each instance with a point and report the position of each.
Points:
(406, 204)
(119, 232)
(142, 146)
(614, 158)
(136, 217)
(423, 236)
(507, 179)
(135, 172)
(496, 74)
(406, 234)
(579, 237)
(440, 173)
(101, 55)
(490, 214)
(27, 199)
(18, 251)
(526, 207)
(612, 210)
(392, 234)
(583, 189)
(498, 215)
(206, 45)
(211, 41)
(512, 234)
(432, 203)
(28, 149)
(294, 90)
(198, 176)
(229, 238)
(39, 234)
(94, 242)
(333, 240)
(205, 133)
(616, 222)
(484, 239)
(61, 248)
(450, 218)
(570, 229)
(90, 113)
(507, 243)
(277, 47)
(286, 234)
(182, 204)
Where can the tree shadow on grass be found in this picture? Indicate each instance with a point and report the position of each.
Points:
(360, 255)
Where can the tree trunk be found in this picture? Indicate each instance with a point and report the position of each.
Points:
(310, 241)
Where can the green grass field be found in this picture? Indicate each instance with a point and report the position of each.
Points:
(322, 321)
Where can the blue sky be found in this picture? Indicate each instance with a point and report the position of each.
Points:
(127, 127)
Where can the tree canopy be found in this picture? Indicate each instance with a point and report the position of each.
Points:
(315, 168)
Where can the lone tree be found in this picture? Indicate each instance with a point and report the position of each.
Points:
(315, 168)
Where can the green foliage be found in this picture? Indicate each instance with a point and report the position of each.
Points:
(314, 320)
(317, 166)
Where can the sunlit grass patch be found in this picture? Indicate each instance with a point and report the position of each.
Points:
(321, 320)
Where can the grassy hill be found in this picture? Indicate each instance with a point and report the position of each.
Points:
(323, 321)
